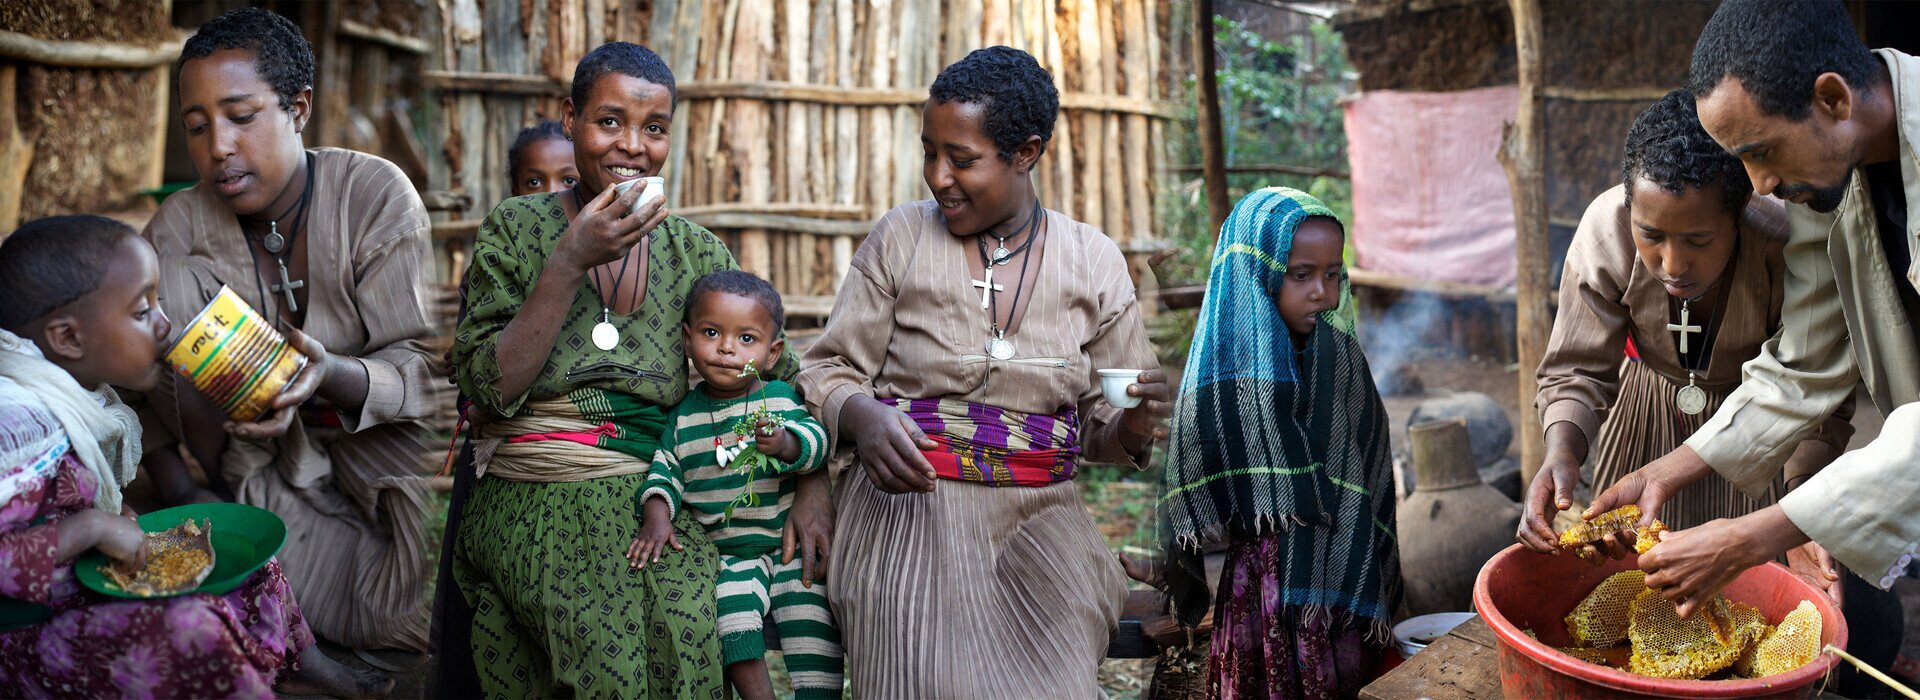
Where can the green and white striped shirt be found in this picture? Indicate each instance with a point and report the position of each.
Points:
(686, 469)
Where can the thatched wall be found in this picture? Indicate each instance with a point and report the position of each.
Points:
(82, 89)
(1605, 61)
(799, 120)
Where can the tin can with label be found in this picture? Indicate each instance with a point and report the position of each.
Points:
(234, 358)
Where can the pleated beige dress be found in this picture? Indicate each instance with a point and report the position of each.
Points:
(1626, 407)
(974, 591)
(350, 486)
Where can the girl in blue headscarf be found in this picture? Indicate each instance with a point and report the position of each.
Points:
(1279, 449)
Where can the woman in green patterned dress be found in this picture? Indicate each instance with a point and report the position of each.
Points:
(570, 350)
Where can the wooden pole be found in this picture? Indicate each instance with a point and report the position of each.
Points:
(1523, 154)
(1213, 148)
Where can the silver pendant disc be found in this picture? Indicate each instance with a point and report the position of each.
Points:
(604, 336)
(1001, 254)
(1000, 348)
(1691, 400)
(274, 242)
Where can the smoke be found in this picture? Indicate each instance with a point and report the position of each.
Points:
(1395, 337)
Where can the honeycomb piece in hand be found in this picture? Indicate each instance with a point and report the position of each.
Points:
(1623, 519)
(1665, 646)
(1600, 620)
(178, 560)
(1646, 537)
(1794, 643)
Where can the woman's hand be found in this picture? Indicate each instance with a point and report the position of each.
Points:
(1146, 422)
(889, 446)
(607, 228)
(1552, 489)
(286, 406)
(656, 535)
(1151, 571)
(1648, 487)
(809, 528)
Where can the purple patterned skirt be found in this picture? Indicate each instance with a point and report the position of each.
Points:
(1263, 648)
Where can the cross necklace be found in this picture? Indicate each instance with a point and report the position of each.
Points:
(279, 246)
(1691, 399)
(998, 347)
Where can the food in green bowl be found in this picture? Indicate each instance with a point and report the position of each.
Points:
(243, 539)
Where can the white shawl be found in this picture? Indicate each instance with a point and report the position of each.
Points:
(102, 431)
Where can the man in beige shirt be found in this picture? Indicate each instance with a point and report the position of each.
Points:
(1830, 127)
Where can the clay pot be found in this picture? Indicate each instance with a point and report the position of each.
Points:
(1452, 524)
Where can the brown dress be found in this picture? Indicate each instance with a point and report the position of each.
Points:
(1625, 407)
(351, 486)
(974, 591)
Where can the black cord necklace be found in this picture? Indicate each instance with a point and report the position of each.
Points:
(998, 347)
(1691, 399)
(279, 246)
(605, 336)
(1001, 255)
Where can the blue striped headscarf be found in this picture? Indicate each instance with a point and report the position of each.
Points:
(1273, 441)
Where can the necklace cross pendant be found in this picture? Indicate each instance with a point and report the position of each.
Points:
(1683, 328)
(286, 286)
(987, 288)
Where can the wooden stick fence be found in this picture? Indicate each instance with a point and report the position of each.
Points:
(798, 123)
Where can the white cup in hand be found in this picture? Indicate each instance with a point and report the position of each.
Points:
(654, 186)
(1114, 383)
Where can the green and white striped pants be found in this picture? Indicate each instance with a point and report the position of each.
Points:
(752, 587)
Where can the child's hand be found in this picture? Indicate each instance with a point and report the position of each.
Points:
(656, 535)
(772, 438)
(122, 540)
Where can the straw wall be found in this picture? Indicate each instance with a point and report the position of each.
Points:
(798, 122)
(83, 90)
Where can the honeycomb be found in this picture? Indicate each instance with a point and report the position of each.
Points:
(1600, 620)
(177, 561)
(1791, 645)
(1612, 657)
(1665, 646)
(1622, 519)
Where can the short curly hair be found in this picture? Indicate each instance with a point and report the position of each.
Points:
(1775, 48)
(1668, 147)
(281, 53)
(741, 284)
(625, 58)
(545, 130)
(49, 263)
(1017, 94)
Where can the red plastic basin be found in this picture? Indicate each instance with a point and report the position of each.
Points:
(1520, 589)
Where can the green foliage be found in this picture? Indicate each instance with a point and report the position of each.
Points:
(751, 460)
(1279, 103)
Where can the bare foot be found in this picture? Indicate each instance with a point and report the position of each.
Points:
(319, 674)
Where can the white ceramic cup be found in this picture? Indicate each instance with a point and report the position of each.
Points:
(656, 187)
(1114, 383)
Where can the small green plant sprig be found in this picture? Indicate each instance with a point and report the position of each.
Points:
(751, 460)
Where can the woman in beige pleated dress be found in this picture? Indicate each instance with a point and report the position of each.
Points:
(964, 562)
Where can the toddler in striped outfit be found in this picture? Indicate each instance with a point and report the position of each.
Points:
(730, 454)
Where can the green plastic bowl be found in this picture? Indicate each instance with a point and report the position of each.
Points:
(244, 538)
